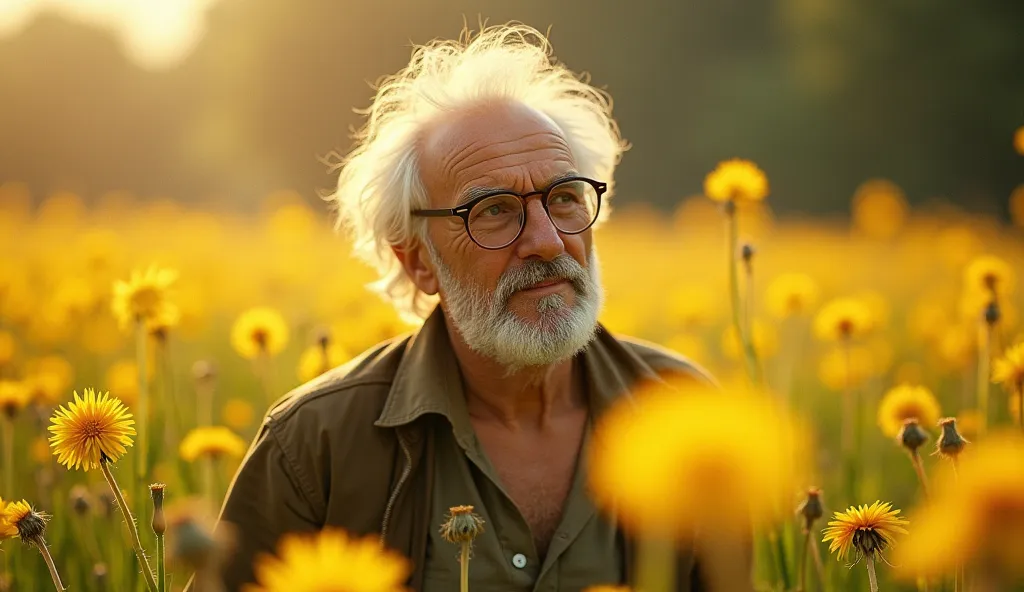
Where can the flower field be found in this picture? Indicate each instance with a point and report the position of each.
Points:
(874, 357)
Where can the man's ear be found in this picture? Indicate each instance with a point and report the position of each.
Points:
(416, 261)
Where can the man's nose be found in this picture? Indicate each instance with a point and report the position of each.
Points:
(540, 238)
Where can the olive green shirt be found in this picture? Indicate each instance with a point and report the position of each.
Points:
(585, 550)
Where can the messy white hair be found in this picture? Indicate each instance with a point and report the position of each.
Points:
(379, 181)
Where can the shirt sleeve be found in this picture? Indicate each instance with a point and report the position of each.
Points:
(267, 500)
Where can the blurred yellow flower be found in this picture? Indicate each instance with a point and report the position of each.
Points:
(904, 402)
(956, 347)
(926, 320)
(736, 180)
(837, 370)
(143, 296)
(791, 294)
(163, 320)
(7, 348)
(1018, 140)
(690, 306)
(969, 422)
(868, 530)
(975, 520)
(1017, 206)
(61, 371)
(39, 450)
(879, 208)
(45, 388)
(90, 429)
(259, 331)
(989, 274)
(212, 441)
(13, 397)
(122, 380)
(237, 414)
(766, 341)
(842, 319)
(7, 530)
(1009, 369)
(686, 448)
(313, 362)
(328, 561)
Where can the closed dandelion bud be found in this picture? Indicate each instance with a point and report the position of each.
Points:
(462, 525)
(810, 508)
(951, 443)
(912, 436)
(323, 337)
(747, 253)
(80, 500)
(156, 490)
(992, 313)
(100, 576)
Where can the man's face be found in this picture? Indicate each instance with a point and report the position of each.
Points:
(535, 301)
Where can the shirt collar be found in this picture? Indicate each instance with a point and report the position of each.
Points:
(428, 377)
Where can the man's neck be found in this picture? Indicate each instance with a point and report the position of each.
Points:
(526, 398)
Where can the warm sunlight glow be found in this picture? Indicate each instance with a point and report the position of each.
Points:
(154, 33)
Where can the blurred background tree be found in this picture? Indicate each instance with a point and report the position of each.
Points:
(821, 93)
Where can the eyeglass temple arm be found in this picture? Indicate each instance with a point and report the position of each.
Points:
(435, 213)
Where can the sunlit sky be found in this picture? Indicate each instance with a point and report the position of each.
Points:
(154, 33)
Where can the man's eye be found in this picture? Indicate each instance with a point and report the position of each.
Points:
(494, 210)
(562, 199)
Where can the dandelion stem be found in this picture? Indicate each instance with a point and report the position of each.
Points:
(780, 555)
(204, 403)
(464, 567)
(984, 361)
(8, 456)
(161, 575)
(872, 579)
(848, 429)
(656, 564)
(819, 565)
(915, 458)
(147, 571)
(40, 544)
(143, 415)
(749, 356)
(801, 574)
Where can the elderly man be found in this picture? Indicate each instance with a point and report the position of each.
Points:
(473, 188)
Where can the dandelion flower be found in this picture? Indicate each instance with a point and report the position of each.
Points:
(90, 429)
(7, 529)
(212, 441)
(259, 331)
(736, 180)
(868, 530)
(328, 561)
(989, 274)
(791, 294)
(879, 208)
(237, 414)
(686, 449)
(905, 402)
(14, 396)
(315, 361)
(7, 347)
(23, 521)
(143, 296)
(842, 319)
(1009, 369)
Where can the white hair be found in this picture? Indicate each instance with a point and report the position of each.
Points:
(379, 181)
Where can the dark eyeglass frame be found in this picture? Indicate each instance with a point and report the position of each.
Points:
(462, 211)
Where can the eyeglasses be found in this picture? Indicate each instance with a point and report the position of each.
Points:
(495, 219)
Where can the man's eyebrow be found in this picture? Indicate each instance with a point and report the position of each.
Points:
(474, 192)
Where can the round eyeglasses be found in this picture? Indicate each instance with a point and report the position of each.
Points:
(495, 219)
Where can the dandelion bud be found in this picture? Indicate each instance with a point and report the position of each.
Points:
(203, 371)
(810, 508)
(100, 577)
(462, 525)
(992, 313)
(951, 443)
(323, 337)
(911, 435)
(747, 253)
(80, 501)
(156, 490)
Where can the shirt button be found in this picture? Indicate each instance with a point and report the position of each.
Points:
(519, 560)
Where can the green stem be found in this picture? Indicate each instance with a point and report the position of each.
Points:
(872, 579)
(464, 568)
(147, 571)
(749, 355)
(919, 469)
(801, 574)
(984, 361)
(8, 456)
(848, 429)
(819, 565)
(780, 555)
(40, 544)
(656, 565)
(143, 414)
(161, 576)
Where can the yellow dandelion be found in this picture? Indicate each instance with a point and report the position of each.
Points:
(869, 530)
(44, 388)
(879, 208)
(968, 423)
(974, 520)
(736, 180)
(1018, 140)
(842, 319)
(91, 429)
(791, 294)
(1009, 369)
(212, 441)
(122, 379)
(7, 529)
(905, 402)
(14, 396)
(328, 561)
(989, 274)
(259, 331)
(314, 361)
(7, 348)
(143, 296)
(163, 320)
(742, 450)
(61, 370)
(237, 414)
